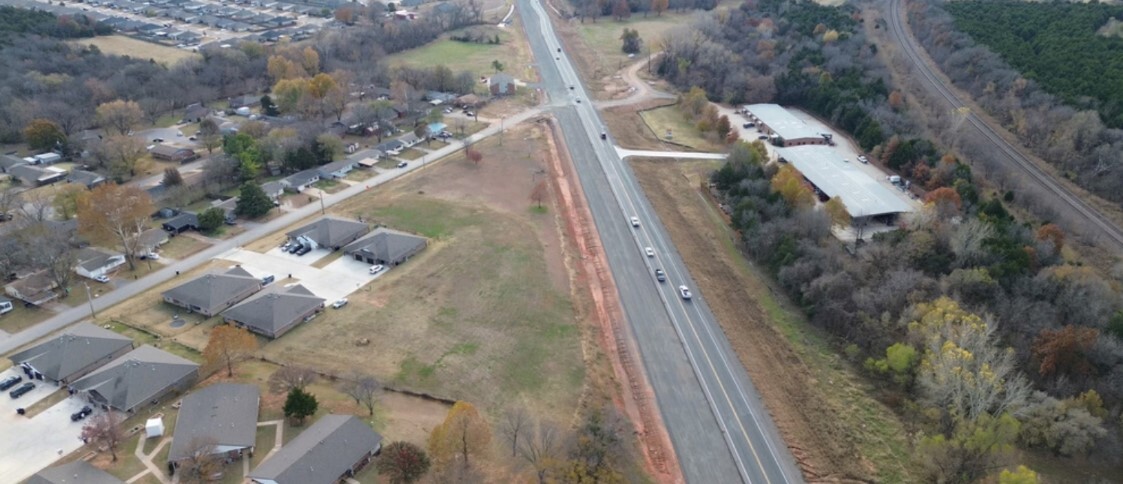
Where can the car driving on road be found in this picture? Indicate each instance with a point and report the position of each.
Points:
(660, 275)
(685, 292)
(635, 221)
(649, 251)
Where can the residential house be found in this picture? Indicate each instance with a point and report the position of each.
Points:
(74, 354)
(468, 101)
(273, 190)
(228, 206)
(437, 97)
(94, 263)
(34, 176)
(195, 113)
(298, 181)
(392, 147)
(275, 312)
(332, 449)
(85, 178)
(501, 84)
(47, 158)
(77, 472)
(173, 153)
(223, 415)
(385, 246)
(9, 161)
(151, 239)
(409, 140)
(137, 378)
(211, 294)
(329, 232)
(370, 159)
(336, 169)
(37, 289)
(181, 222)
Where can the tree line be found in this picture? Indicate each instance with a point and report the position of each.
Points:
(1074, 138)
(985, 335)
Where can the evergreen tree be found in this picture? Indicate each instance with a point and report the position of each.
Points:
(253, 202)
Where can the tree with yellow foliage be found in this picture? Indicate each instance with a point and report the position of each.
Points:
(287, 94)
(463, 434)
(837, 210)
(1022, 475)
(789, 183)
(228, 345)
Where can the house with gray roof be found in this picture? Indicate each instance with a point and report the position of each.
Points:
(334, 448)
(77, 472)
(210, 294)
(150, 239)
(273, 190)
(137, 378)
(501, 84)
(336, 169)
(274, 312)
(73, 354)
(386, 247)
(181, 222)
(94, 263)
(330, 233)
(9, 161)
(35, 176)
(223, 415)
(85, 178)
(298, 181)
(37, 288)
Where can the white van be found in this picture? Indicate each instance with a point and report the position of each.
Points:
(6, 306)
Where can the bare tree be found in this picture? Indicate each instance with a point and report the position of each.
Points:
(542, 449)
(289, 377)
(201, 462)
(105, 432)
(35, 206)
(513, 426)
(364, 389)
(44, 247)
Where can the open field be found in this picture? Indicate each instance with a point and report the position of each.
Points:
(821, 405)
(683, 131)
(512, 51)
(179, 247)
(138, 49)
(21, 318)
(508, 334)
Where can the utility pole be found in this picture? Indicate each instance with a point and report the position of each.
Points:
(91, 300)
(322, 195)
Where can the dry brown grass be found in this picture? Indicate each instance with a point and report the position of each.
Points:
(139, 49)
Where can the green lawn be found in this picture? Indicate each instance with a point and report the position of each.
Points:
(465, 56)
(682, 129)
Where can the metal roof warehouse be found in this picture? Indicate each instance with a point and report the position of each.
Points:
(776, 120)
(863, 195)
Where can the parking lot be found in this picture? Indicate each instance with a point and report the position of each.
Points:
(332, 282)
(31, 444)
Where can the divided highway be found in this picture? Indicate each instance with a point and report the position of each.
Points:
(719, 427)
(1100, 224)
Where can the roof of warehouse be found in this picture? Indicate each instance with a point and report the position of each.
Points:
(863, 195)
(784, 123)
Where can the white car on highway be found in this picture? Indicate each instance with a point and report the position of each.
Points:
(635, 221)
(685, 292)
(649, 251)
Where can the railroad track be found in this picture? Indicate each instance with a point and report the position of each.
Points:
(1102, 224)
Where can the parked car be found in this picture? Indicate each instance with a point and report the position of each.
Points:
(685, 292)
(649, 251)
(748, 125)
(763, 137)
(81, 414)
(295, 248)
(635, 221)
(340, 303)
(303, 250)
(21, 390)
(375, 269)
(660, 275)
(10, 382)
(403, 164)
(863, 159)
(157, 140)
(102, 278)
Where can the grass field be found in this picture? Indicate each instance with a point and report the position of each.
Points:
(683, 131)
(603, 37)
(512, 51)
(139, 49)
(180, 247)
(21, 318)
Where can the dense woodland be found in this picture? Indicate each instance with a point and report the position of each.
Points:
(1055, 44)
(1076, 141)
(979, 324)
(15, 22)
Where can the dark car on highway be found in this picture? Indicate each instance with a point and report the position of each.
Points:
(81, 414)
(660, 275)
(10, 382)
(22, 390)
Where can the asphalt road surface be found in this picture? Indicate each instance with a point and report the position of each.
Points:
(719, 427)
(1098, 226)
(82, 311)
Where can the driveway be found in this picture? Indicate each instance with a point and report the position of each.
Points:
(9, 405)
(334, 281)
(31, 444)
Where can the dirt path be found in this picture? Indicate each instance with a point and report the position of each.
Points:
(611, 336)
(790, 390)
(638, 90)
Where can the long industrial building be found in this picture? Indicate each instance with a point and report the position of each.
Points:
(864, 196)
(782, 127)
